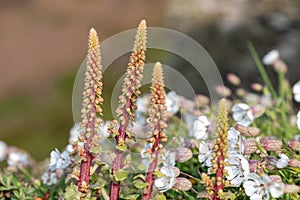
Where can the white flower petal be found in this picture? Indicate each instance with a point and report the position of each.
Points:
(297, 98)
(237, 181)
(250, 187)
(282, 162)
(172, 102)
(296, 88)
(271, 57)
(277, 189)
(3, 149)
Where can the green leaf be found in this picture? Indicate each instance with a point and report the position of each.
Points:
(141, 176)
(72, 193)
(140, 184)
(121, 175)
(133, 196)
(95, 149)
(158, 173)
(160, 197)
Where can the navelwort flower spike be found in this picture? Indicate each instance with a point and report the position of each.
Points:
(91, 109)
(220, 151)
(157, 122)
(127, 101)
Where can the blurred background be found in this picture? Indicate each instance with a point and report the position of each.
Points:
(43, 43)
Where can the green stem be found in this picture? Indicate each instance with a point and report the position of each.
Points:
(261, 69)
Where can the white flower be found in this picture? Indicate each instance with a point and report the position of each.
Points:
(205, 154)
(74, 134)
(59, 160)
(3, 149)
(103, 130)
(201, 127)
(296, 91)
(145, 155)
(238, 169)
(255, 187)
(298, 119)
(167, 181)
(169, 159)
(189, 119)
(242, 114)
(271, 57)
(172, 102)
(49, 178)
(17, 158)
(275, 188)
(143, 104)
(283, 161)
(235, 142)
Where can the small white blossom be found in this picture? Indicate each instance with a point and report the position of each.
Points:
(103, 130)
(74, 134)
(283, 161)
(189, 119)
(167, 181)
(49, 178)
(59, 160)
(242, 114)
(238, 169)
(255, 187)
(17, 158)
(205, 154)
(143, 104)
(3, 149)
(169, 159)
(298, 119)
(172, 102)
(146, 157)
(296, 91)
(201, 128)
(235, 142)
(275, 188)
(271, 57)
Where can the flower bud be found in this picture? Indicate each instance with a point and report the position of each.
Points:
(256, 87)
(176, 170)
(271, 143)
(202, 100)
(275, 178)
(223, 91)
(294, 163)
(295, 145)
(247, 131)
(241, 92)
(250, 146)
(182, 184)
(253, 165)
(258, 110)
(290, 189)
(183, 154)
(233, 79)
(280, 67)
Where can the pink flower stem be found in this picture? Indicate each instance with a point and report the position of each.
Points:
(152, 167)
(84, 176)
(117, 163)
(219, 176)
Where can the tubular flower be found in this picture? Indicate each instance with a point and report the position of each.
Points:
(91, 108)
(127, 101)
(157, 122)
